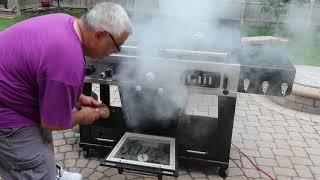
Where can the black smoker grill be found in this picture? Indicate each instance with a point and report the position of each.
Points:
(197, 139)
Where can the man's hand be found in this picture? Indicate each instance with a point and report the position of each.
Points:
(88, 115)
(88, 101)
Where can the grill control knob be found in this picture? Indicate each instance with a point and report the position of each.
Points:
(193, 79)
(246, 84)
(109, 73)
(265, 85)
(161, 91)
(138, 88)
(150, 76)
(103, 74)
(284, 88)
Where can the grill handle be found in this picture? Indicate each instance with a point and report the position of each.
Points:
(197, 152)
(104, 140)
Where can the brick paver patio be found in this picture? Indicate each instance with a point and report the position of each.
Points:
(283, 142)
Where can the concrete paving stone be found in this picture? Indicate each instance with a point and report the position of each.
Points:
(265, 112)
(69, 163)
(57, 136)
(284, 161)
(315, 169)
(76, 147)
(102, 168)
(303, 171)
(266, 117)
(251, 173)
(316, 160)
(240, 113)
(82, 163)
(200, 178)
(315, 118)
(253, 153)
(235, 172)
(284, 171)
(278, 136)
(313, 143)
(93, 164)
(185, 177)
(65, 148)
(266, 153)
(301, 178)
(310, 135)
(96, 176)
(111, 172)
(59, 142)
(237, 178)
(252, 118)
(284, 178)
(254, 107)
(313, 151)
(74, 170)
(86, 172)
(268, 170)
(308, 128)
(251, 130)
(282, 144)
(55, 149)
(295, 143)
(299, 152)
(69, 134)
(197, 174)
(266, 144)
(212, 177)
(250, 144)
(72, 155)
(249, 112)
(282, 152)
(238, 130)
(300, 161)
(265, 136)
(303, 115)
(250, 137)
(297, 129)
(263, 129)
(295, 136)
(59, 156)
(251, 124)
(265, 123)
(281, 123)
(266, 162)
(280, 130)
(71, 140)
(118, 177)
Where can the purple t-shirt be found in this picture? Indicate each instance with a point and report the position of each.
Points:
(42, 69)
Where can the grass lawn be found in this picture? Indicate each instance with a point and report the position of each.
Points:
(4, 23)
(304, 49)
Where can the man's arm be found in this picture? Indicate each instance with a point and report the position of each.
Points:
(86, 116)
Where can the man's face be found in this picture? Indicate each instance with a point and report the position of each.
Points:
(103, 43)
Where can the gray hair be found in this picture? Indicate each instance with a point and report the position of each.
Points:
(108, 16)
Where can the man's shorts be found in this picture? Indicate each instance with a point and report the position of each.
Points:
(24, 154)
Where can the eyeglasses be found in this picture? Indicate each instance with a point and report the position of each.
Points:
(114, 41)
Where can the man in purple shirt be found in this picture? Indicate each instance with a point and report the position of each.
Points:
(42, 69)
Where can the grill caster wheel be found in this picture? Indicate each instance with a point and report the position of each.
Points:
(86, 153)
(223, 172)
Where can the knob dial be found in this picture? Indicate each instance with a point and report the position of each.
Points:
(109, 73)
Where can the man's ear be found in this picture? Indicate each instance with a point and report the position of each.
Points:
(99, 34)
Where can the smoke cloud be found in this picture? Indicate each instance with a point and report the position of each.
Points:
(154, 92)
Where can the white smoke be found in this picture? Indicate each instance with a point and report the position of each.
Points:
(184, 25)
